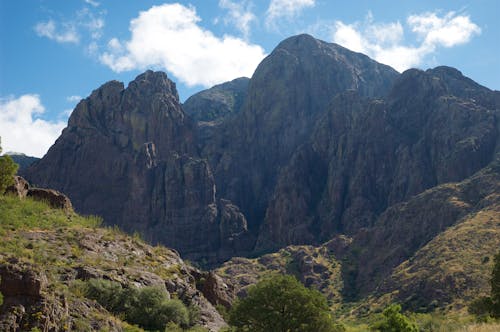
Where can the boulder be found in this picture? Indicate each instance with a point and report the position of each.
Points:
(19, 188)
(53, 197)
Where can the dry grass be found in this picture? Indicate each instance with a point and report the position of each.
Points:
(481, 327)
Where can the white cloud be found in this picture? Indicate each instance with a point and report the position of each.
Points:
(385, 42)
(239, 14)
(65, 34)
(447, 31)
(84, 25)
(286, 8)
(92, 3)
(21, 128)
(73, 99)
(168, 36)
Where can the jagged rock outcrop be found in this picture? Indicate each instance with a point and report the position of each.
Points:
(19, 188)
(288, 92)
(315, 267)
(217, 103)
(130, 156)
(53, 197)
(210, 108)
(366, 155)
(403, 230)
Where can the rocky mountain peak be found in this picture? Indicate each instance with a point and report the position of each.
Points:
(151, 82)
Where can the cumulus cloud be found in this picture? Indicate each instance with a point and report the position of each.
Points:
(61, 34)
(286, 9)
(169, 37)
(21, 128)
(239, 14)
(385, 42)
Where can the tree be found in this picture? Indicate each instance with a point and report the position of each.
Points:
(8, 169)
(487, 306)
(495, 287)
(394, 321)
(282, 304)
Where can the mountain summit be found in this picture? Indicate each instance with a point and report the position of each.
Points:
(130, 156)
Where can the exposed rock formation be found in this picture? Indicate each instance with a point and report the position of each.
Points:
(288, 92)
(19, 188)
(366, 155)
(404, 229)
(218, 102)
(315, 267)
(52, 197)
(130, 156)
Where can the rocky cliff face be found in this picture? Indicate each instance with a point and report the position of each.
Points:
(130, 156)
(218, 102)
(366, 155)
(288, 92)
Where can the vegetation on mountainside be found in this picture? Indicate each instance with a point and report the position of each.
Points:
(489, 306)
(54, 245)
(282, 303)
(8, 169)
(392, 320)
(148, 307)
(55, 242)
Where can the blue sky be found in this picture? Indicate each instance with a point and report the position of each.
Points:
(54, 52)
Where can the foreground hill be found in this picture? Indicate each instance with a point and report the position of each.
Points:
(47, 254)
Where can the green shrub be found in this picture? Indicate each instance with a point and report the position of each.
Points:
(8, 169)
(495, 287)
(282, 303)
(489, 306)
(148, 307)
(107, 293)
(393, 320)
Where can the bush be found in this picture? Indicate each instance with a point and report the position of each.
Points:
(495, 287)
(282, 303)
(8, 169)
(489, 306)
(107, 293)
(393, 320)
(148, 307)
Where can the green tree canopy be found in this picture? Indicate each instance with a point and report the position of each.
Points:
(8, 169)
(394, 321)
(495, 287)
(282, 304)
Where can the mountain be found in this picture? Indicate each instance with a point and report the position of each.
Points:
(130, 156)
(323, 153)
(218, 102)
(22, 160)
(366, 155)
(288, 92)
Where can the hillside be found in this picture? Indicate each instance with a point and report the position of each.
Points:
(47, 255)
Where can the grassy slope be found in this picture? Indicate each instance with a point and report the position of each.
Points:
(56, 245)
